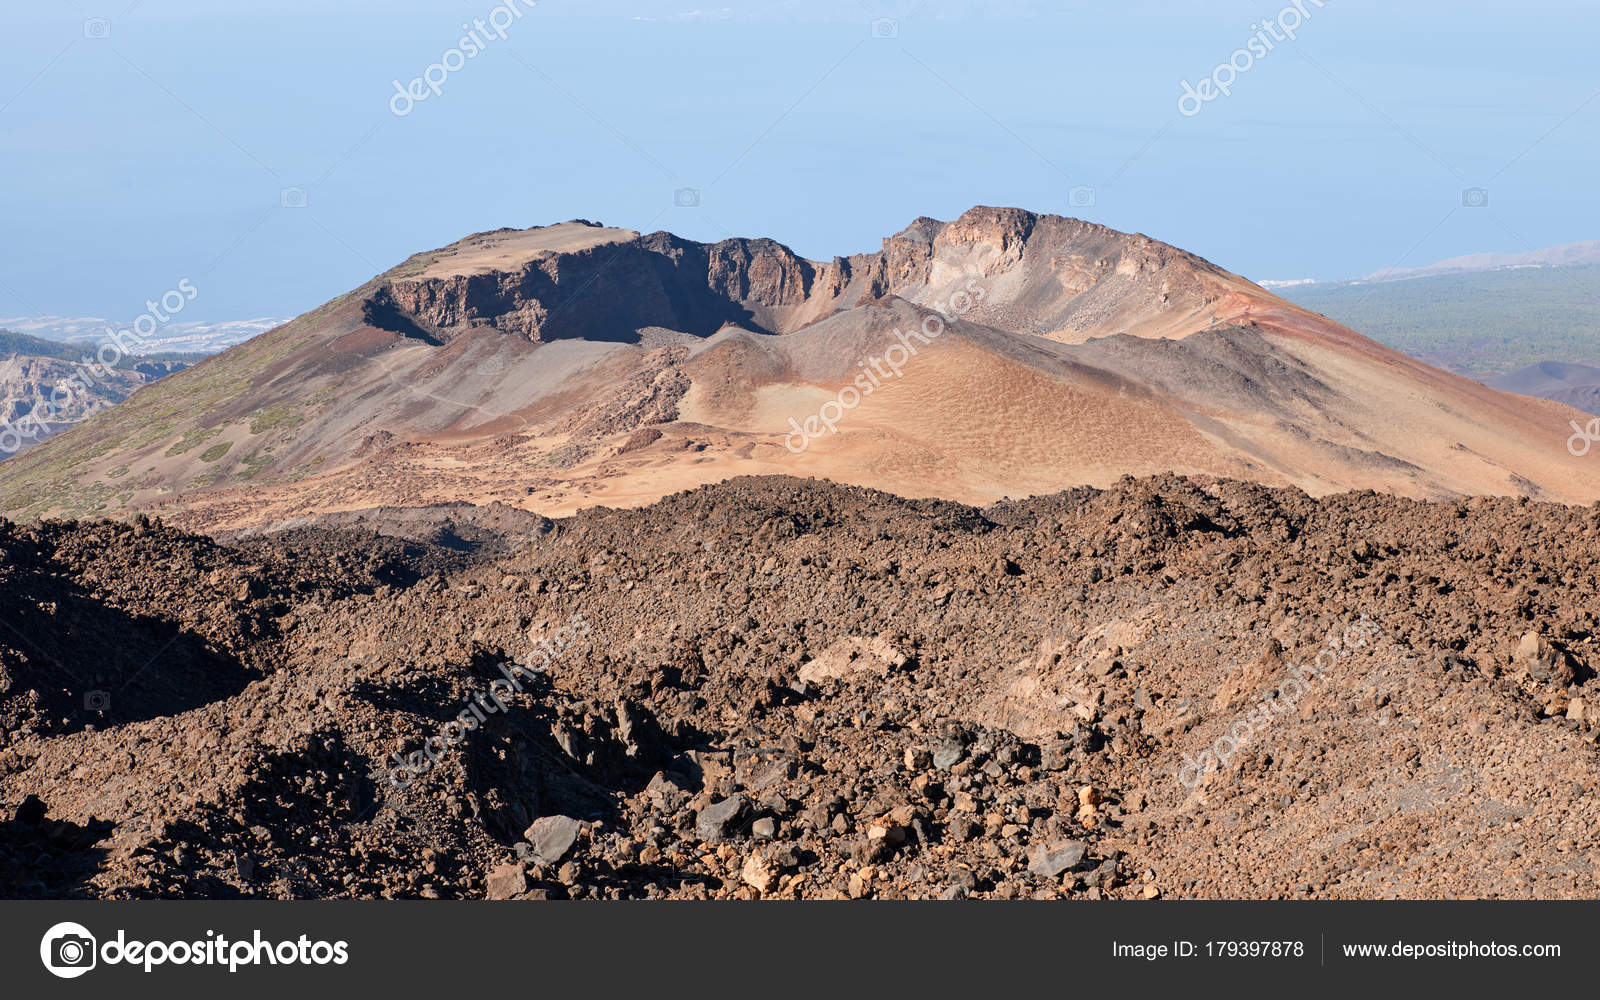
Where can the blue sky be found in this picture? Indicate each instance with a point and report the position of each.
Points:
(159, 143)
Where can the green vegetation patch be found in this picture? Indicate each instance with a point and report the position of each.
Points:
(193, 438)
(255, 463)
(564, 457)
(1481, 323)
(22, 343)
(285, 415)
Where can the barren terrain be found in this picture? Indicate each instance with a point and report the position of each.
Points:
(788, 688)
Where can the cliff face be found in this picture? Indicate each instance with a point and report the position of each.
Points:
(33, 408)
(609, 291)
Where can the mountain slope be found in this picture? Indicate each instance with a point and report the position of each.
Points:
(573, 365)
(1565, 255)
(1481, 324)
(1576, 385)
(34, 406)
(14, 343)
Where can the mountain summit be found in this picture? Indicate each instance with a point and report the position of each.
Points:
(1003, 353)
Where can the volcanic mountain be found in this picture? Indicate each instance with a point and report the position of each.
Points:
(1001, 354)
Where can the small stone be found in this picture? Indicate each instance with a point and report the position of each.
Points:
(1089, 800)
(667, 789)
(784, 770)
(1151, 892)
(948, 753)
(1538, 659)
(1051, 860)
(861, 882)
(888, 832)
(722, 819)
(507, 880)
(765, 828)
(964, 828)
(552, 837)
(918, 759)
(1107, 872)
(759, 873)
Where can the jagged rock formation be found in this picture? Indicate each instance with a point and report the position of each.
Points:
(35, 407)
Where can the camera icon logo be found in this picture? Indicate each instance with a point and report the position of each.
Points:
(97, 701)
(68, 950)
(1475, 198)
(686, 198)
(885, 27)
(294, 197)
(97, 27)
(1081, 196)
